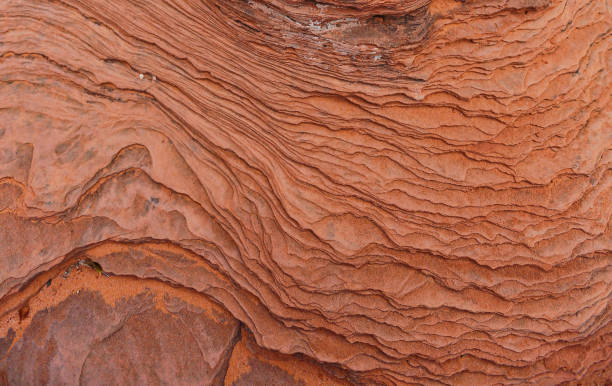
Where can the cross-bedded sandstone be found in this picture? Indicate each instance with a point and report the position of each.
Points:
(407, 191)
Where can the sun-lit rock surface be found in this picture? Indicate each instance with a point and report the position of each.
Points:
(389, 191)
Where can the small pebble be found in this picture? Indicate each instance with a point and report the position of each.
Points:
(154, 78)
(141, 76)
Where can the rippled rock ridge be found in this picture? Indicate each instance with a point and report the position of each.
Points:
(298, 192)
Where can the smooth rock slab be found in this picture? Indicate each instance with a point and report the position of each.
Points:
(144, 338)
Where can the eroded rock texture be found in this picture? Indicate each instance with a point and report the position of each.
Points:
(320, 192)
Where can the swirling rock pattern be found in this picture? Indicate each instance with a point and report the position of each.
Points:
(388, 191)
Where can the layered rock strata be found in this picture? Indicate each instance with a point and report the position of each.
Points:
(379, 191)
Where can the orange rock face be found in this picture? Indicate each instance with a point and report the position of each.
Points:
(305, 192)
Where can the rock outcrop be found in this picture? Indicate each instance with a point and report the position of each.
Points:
(318, 192)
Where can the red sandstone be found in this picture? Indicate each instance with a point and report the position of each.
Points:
(312, 192)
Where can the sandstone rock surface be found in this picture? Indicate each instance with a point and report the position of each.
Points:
(101, 336)
(338, 192)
